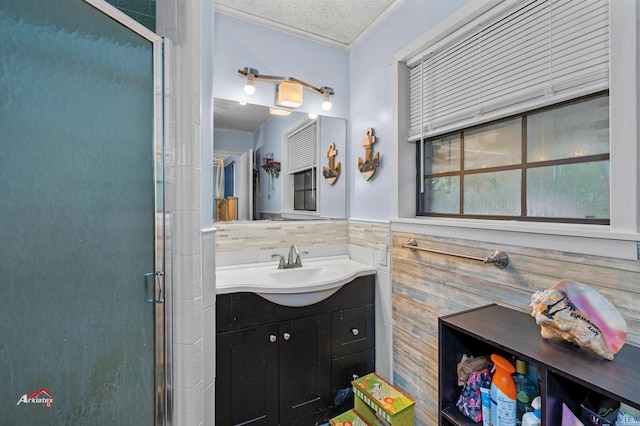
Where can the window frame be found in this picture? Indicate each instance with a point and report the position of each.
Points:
(304, 190)
(620, 238)
(523, 166)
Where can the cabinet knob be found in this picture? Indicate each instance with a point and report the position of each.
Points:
(273, 338)
(286, 336)
(355, 331)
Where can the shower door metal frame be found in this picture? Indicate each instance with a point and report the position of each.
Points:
(161, 288)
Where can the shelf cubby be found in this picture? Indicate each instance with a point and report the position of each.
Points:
(567, 373)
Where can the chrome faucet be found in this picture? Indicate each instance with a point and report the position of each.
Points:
(293, 261)
(282, 264)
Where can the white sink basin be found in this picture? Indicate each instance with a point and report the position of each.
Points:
(316, 280)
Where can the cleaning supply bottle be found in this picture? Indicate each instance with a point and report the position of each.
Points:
(485, 398)
(503, 393)
(526, 390)
(532, 374)
(533, 418)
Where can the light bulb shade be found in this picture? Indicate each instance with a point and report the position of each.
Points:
(289, 94)
(249, 87)
(326, 100)
(279, 111)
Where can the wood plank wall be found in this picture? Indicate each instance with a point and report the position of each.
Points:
(427, 285)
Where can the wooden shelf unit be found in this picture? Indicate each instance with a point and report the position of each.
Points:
(567, 373)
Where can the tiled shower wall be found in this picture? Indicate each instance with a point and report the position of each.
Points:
(426, 286)
(188, 25)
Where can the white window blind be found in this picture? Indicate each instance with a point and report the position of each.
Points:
(536, 53)
(302, 145)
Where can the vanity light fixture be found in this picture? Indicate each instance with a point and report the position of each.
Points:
(289, 94)
(289, 89)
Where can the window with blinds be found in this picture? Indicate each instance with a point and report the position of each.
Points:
(511, 114)
(533, 54)
(302, 146)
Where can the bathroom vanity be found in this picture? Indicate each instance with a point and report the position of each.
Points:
(285, 365)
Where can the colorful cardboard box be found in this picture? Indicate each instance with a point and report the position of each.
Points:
(376, 399)
(350, 418)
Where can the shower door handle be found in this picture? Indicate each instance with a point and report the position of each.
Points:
(147, 296)
(153, 288)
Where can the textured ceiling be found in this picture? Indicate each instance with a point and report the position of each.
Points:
(338, 23)
(335, 22)
(230, 115)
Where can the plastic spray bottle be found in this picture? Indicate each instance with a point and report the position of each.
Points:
(485, 395)
(503, 393)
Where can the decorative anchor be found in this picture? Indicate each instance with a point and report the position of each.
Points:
(331, 174)
(369, 165)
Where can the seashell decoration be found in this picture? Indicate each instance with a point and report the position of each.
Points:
(579, 314)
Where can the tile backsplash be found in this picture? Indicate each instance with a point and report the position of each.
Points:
(250, 242)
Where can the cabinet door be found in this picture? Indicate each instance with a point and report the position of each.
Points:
(347, 368)
(247, 376)
(305, 369)
(353, 330)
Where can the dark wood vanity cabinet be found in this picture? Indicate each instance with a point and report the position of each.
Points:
(247, 376)
(279, 365)
(567, 373)
(304, 359)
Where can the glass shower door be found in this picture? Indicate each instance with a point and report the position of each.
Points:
(77, 217)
